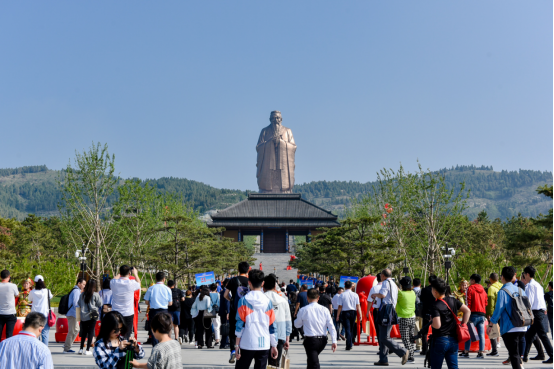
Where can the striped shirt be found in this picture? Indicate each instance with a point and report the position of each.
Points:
(24, 351)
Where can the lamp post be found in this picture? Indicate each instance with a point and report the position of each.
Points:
(449, 253)
(405, 270)
(80, 255)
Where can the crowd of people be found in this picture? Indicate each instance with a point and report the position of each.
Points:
(256, 316)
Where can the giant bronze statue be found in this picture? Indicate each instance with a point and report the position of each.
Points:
(275, 164)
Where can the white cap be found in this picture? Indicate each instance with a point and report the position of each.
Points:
(39, 277)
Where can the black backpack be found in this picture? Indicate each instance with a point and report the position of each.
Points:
(242, 290)
(64, 307)
(176, 296)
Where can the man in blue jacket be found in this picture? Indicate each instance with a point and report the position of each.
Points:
(503, 310)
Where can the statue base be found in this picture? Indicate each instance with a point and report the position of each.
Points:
(274, 191)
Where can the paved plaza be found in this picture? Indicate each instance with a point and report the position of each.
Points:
(360, 356)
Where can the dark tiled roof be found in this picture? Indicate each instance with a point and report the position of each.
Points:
(274, 210)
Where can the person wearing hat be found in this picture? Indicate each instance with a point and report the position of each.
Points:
(405, 309)
(23, 305)
(39, 299)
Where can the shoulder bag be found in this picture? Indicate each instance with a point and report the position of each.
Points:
(461, 329)
(51, 316)
(387, 313)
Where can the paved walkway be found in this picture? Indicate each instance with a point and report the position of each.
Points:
(360, 357)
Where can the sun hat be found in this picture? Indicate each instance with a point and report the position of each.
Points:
(39, 277)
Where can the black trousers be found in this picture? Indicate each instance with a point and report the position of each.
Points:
(151, 315)
(511, 341)
(128, 322)
(538, 328)
(9, 321)
(349, 322)
(187, 328)
(232, 327)
(424, 343)
(313, 347)
(203, 327)
(87, 332)
(224, 338)
(246, 357)
(275, 362)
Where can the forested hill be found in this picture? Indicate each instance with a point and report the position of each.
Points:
(33, 189)
(502, 194)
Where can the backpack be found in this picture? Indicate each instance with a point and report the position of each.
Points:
(242, 290)
(176, 295)
(418, 304)
(64, 307)
(522, 315)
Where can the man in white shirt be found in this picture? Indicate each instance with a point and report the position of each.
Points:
(316, 321)
(535, 294)
(8, 293)
(374, 304)
(123, 295)
(389, 296)
(349, 309)
(335, 302)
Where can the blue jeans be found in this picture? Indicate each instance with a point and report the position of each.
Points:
(444, 349)
(44, 335)
(479, 322)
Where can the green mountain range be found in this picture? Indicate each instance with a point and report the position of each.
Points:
(34, 189)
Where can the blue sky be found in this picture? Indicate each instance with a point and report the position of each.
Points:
(183, 88)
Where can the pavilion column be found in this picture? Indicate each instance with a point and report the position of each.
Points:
(287, 240)
(262, 241)
(240, 236)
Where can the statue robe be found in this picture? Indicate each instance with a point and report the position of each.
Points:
(275, 161)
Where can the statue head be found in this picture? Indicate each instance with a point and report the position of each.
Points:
(275, 117)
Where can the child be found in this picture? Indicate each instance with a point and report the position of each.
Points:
(167, 353)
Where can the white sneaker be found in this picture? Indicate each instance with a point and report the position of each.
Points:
(180, 340)
(80, 352)
(88, 352)
(192, 343)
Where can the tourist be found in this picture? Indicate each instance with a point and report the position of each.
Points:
(175, 309)
(301, 299)
(231, 295)
(90, 304)
(325, 300)
(444, 322)
(203, 324)
(461, 294)
(25, 350)
(427, 302)
(123, 295)
(255, 329)
(331, 289)
(223, 313)
(186, 320)
(167, 353)
(511, 335)
(159, 299)
(40, 298)
(8, 293)
(419, 307)
(492, 294)
(315, 321)
(335, 304)
(216, 321)
(389, 296)
(374, 304)
(23, 303)
(111, 346)
(72, 323)
(539, 328)
(548, 300)
(405, 309)
(106, 295)
(283, 322)
(477, 304)
(292, 308)
(349, 309)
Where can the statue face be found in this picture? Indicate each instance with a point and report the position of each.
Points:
(275, 119)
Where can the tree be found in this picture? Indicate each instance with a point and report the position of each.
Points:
(84, 209)
(358, 247)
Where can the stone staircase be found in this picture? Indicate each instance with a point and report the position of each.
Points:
(276, 263)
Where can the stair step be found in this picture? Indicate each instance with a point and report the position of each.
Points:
(276, 263)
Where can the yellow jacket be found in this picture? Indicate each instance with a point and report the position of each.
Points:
(491, 294)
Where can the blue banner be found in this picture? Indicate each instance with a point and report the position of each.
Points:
(310, 284)
(205, 278)
(346, 278)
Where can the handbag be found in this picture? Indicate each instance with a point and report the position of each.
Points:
(51, 316)
(285, 360)
(387, 313)
(461, 329)
(473, 335)
(224, 329)
(494, 331)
